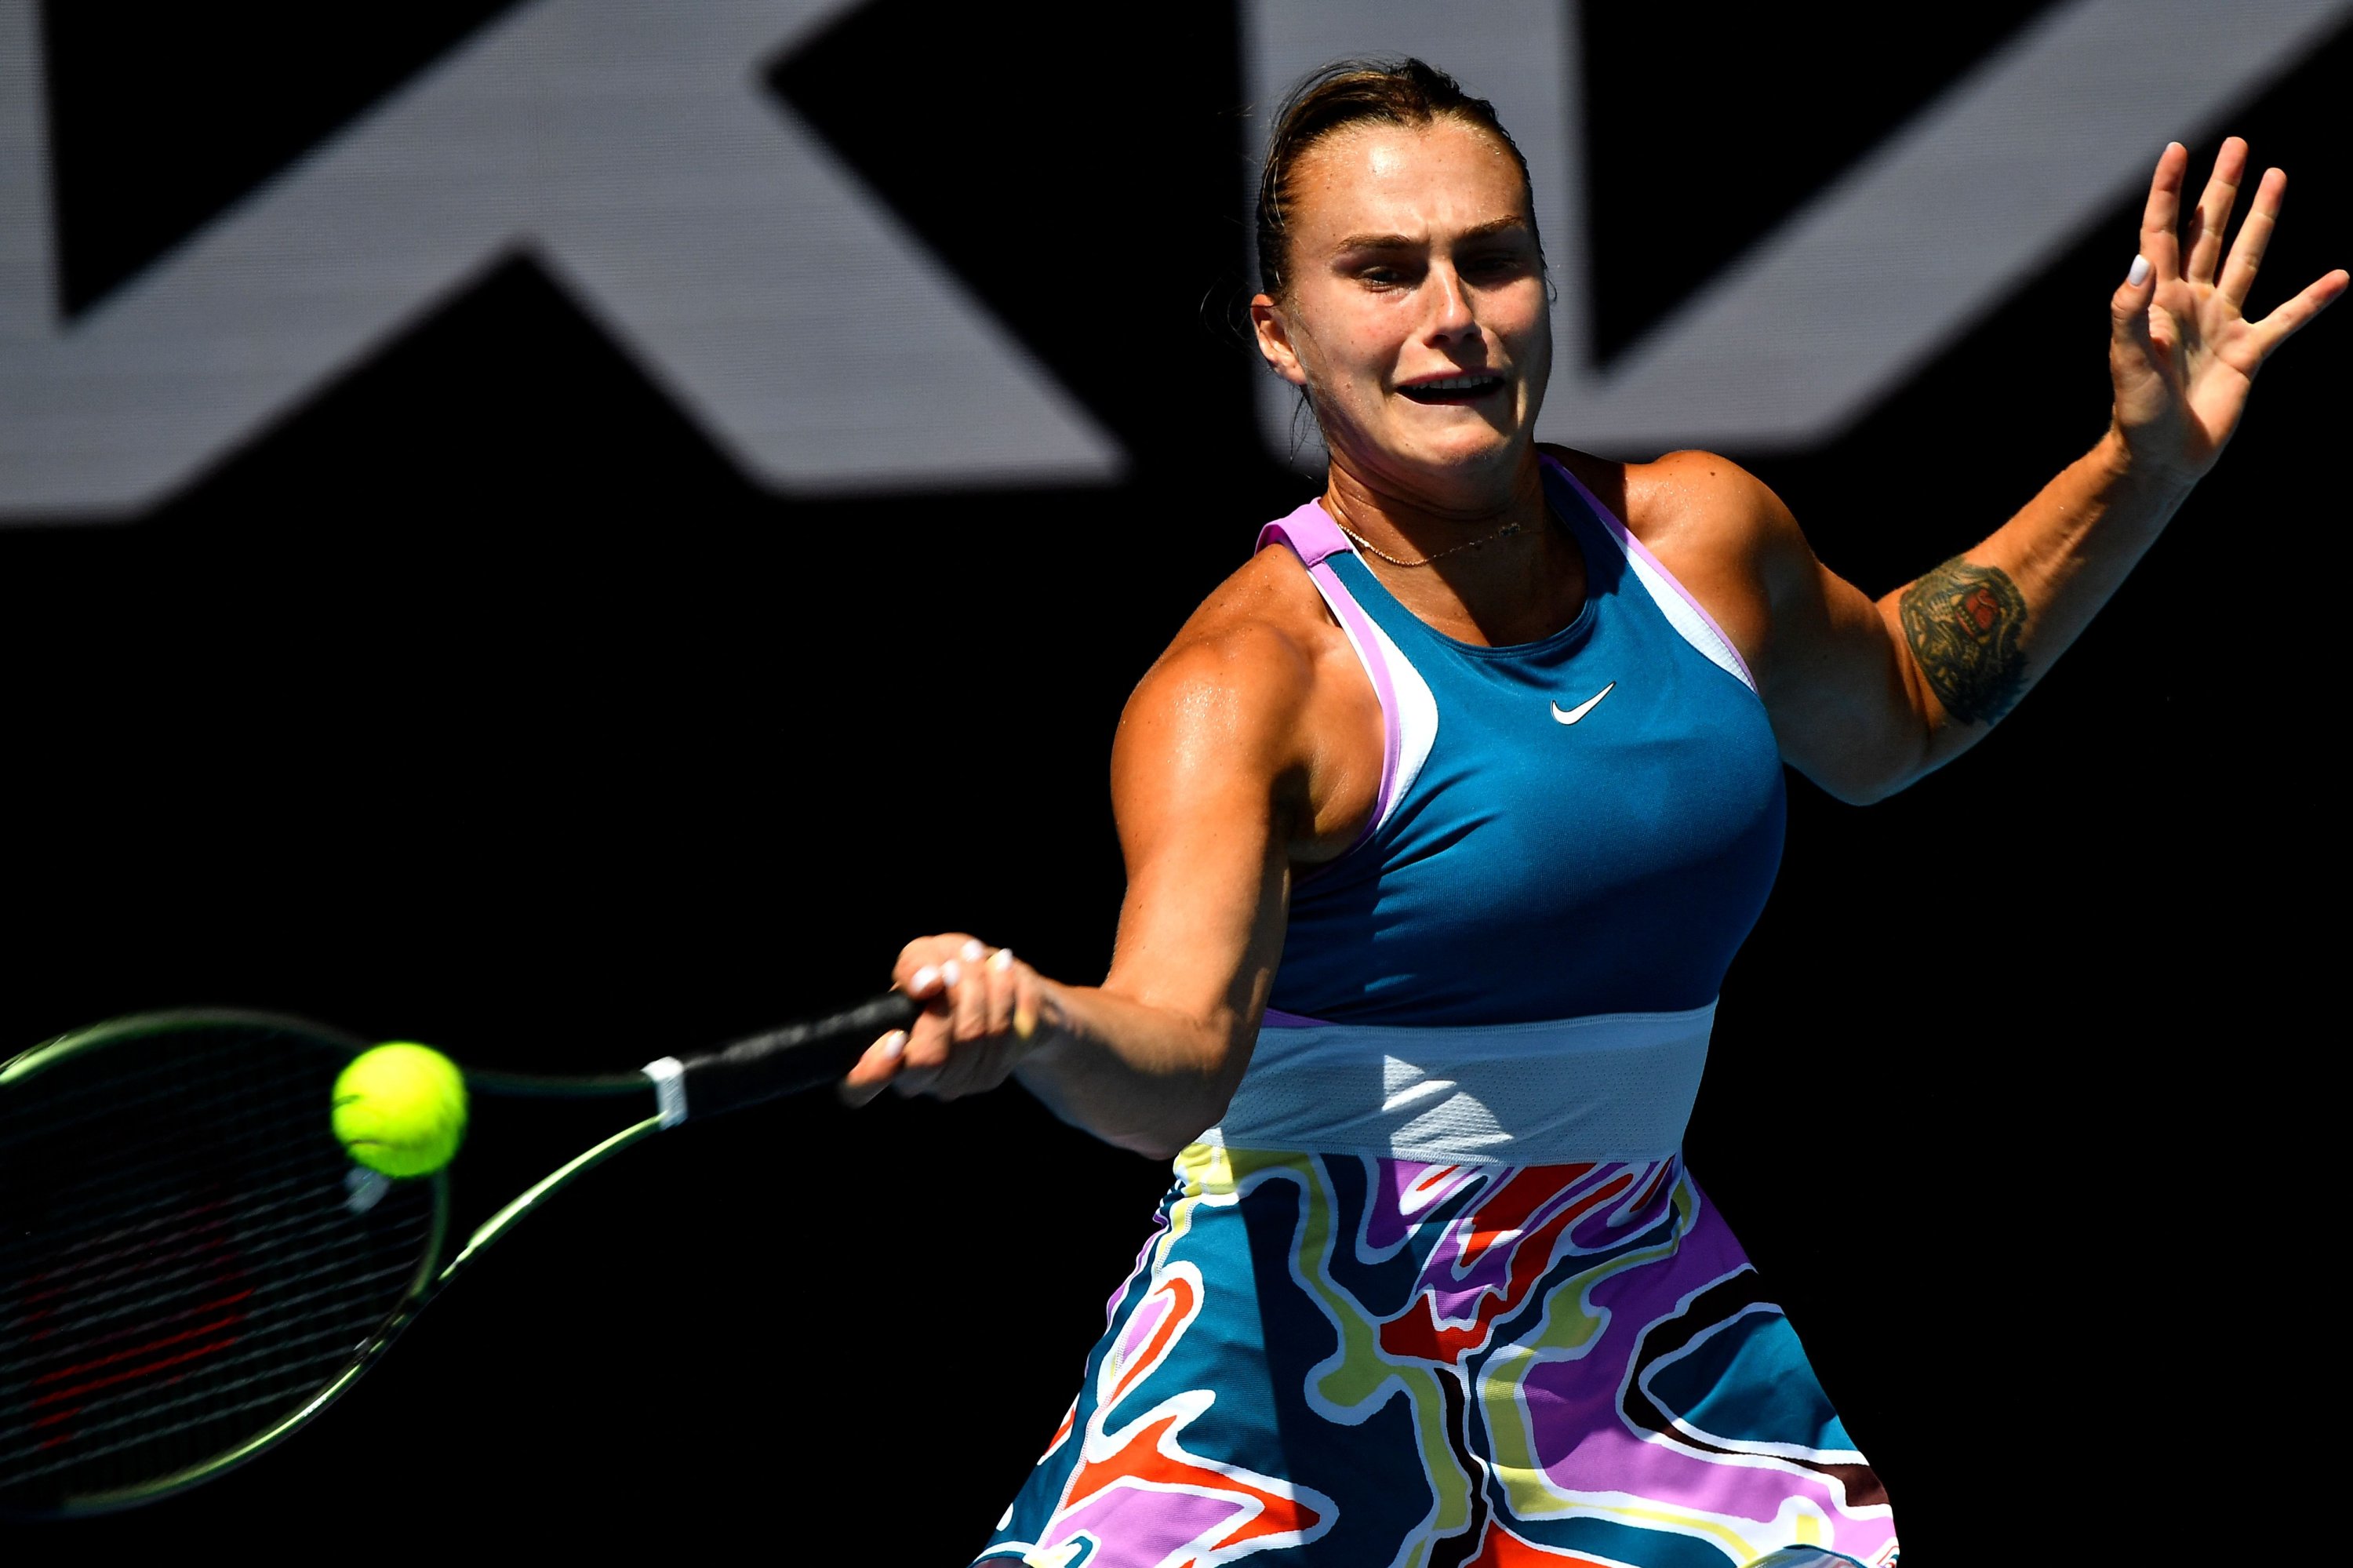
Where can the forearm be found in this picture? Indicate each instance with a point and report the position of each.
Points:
(1144, 1077)
(1977, 633)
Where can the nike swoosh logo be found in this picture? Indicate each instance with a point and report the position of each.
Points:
(1583, 708)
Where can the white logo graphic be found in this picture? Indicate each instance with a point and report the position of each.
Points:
(632, 151)
(1583, 708)
(1880, 269)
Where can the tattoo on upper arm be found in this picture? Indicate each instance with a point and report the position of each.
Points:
(1963, 621)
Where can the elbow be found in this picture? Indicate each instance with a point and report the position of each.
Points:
(1158, 1112)
(1862, 791)
(1864, 775)
(1153, 1137)
(1194, 1091)
(1153, 1148)
(1183, 1119)
(1196, 1098)
(1162, 1137)
(1869, 785)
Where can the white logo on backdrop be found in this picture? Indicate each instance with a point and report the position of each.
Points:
(630, 147)
(1825, 314)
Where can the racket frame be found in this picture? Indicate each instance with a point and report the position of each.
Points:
(432, 1272)
(750, 1072)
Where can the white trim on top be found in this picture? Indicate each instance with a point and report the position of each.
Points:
(1607, 1087)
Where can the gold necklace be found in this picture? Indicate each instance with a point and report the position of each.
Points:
(1505, 532)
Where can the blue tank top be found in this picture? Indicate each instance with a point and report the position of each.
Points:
(1588, 824)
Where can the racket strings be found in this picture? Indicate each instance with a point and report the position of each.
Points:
(140, 1257)
(226, 1111)
(134, 1313)
(180, 1266)
(284, 1371)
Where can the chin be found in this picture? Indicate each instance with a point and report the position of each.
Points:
(1467, 447)
(1477, 447)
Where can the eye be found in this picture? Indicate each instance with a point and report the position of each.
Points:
(1499, 265)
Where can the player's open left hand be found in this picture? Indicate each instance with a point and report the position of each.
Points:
(2183, 354)
(984, 1011)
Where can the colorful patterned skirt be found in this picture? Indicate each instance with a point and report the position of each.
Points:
(1361, 1361)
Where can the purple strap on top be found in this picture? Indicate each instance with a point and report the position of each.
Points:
(1312, 535)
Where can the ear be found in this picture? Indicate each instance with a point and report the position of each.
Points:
(1274, 339)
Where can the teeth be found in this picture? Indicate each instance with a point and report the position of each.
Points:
(1456, 383)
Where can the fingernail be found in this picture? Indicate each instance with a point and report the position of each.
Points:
(973, 952)
(895, 1044)
(951, 972)
(1025, 1022)
(1001, 959)
(920, 980)
(2139, 273)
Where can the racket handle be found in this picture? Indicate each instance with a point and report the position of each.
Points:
(781, 1062)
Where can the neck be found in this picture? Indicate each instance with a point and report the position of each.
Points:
(1507, 587)
(1435, 510)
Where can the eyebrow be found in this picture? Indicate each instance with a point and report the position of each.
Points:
(1404, 242)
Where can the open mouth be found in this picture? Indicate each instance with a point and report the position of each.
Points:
(1467, 388)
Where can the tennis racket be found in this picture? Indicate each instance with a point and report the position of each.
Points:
(191, 1267)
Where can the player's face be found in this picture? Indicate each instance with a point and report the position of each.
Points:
(1417, 314)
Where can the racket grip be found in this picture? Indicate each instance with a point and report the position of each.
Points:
(788, 1060)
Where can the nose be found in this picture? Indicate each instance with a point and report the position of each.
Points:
(1450, 307)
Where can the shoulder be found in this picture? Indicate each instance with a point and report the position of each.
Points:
(1687, 502)
(1720, 530)
(1258, 697)
(1246, 666)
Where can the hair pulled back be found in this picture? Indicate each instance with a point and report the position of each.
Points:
(1408, 92)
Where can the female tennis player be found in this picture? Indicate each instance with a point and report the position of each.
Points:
(1443, 817)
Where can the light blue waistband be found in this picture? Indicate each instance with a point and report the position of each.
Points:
(1613, 1087)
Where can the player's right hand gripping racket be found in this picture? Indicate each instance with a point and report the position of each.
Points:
(191, 1267)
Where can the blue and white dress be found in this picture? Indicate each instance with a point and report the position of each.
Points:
(1437, 1289)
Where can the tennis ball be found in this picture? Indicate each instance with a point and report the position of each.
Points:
(401, 1110)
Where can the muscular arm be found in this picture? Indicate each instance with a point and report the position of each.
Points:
(1205, 787)
(1866, 697)
(1252, 744)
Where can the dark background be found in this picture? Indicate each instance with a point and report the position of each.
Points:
(483, 702)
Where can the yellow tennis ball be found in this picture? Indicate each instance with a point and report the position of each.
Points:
(401, 1110)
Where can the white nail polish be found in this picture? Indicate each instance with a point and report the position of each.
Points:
(2139, 273)
(895, 1044)
(920, 980)
(1001, 959)
(951, 972)
(973, 952)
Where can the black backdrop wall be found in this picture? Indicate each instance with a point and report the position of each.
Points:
(482, 700)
